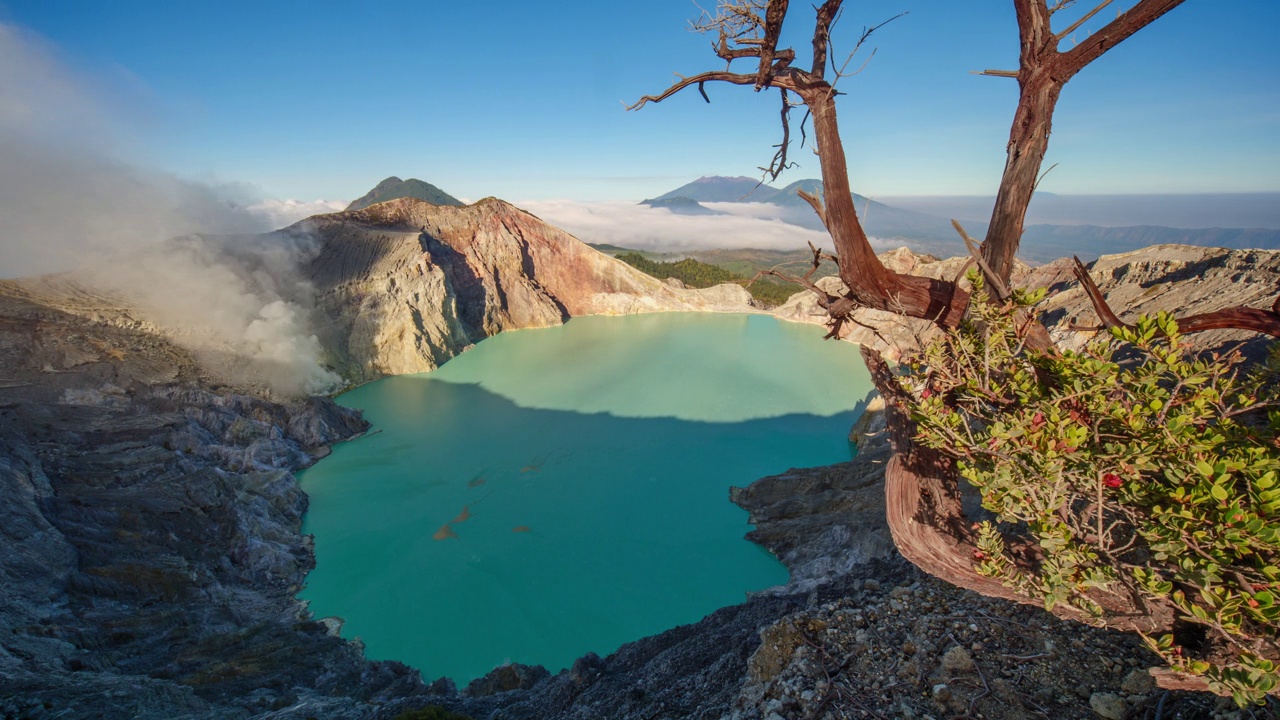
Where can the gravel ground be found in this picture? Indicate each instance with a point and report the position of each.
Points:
(901, 644)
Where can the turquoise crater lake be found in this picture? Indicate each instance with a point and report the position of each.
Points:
(561, 491)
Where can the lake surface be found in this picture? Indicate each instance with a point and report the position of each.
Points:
(558, 491)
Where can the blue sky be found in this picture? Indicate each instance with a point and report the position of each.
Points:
(524, 100)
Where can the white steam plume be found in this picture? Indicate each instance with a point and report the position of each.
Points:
(67, 202)
(282, 213)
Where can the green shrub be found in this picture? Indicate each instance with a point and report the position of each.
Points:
(1132, 467)
(696, 274)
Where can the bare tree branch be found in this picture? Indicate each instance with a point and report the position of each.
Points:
(774, 15)
(1072, 28)
(1042, 73)
(779, 162)
(1236, 318)
(713, 76)
(1112, 34)
(997, 73)
(815, 202)
(827, 13)
(997, 284)
(866, 33)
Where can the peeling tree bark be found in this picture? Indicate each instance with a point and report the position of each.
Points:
(1042, 73)
(1028, 143)
(870, 283)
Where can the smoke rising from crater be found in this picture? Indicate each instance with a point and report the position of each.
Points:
(69, 202)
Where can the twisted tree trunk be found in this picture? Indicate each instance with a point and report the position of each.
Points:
(922, 486)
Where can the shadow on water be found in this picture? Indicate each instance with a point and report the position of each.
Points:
(473, 531)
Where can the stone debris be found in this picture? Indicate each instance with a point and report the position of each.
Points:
(151, 523)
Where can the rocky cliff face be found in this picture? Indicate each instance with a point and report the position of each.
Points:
(1181, 279)
(1178, 278)
(150, 546)
(405, 285)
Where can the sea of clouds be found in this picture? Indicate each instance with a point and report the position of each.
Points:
(632, 225)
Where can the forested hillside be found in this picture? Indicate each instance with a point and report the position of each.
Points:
(697, 274)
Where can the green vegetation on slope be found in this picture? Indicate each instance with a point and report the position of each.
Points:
(1155, 478)
(697, 274)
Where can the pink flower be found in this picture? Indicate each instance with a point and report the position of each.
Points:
(1111, 480)
(926, 394)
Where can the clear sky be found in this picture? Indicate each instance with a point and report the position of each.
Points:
(523, 100)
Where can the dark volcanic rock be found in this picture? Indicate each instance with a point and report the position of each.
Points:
(150, 555)
(154, 555)
(690, 671)
(506, 678)
(151, 538)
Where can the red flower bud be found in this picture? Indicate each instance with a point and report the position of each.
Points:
(1111, 480)
(926, 394)
(979, 555)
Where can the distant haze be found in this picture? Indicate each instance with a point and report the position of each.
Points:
(1223, 210)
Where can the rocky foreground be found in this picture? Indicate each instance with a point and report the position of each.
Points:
(151, 547)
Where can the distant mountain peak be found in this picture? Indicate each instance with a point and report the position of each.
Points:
(718, 188)
(681, 205)
(393, 188)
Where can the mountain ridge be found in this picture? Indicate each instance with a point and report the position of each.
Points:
(934, 234)
(393, 188)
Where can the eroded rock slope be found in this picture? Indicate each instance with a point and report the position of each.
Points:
(1181, 279)
(150, 544)
(405, 285)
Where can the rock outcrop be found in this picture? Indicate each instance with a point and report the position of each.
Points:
(1181, 279)
(150, 546)
(405, 285)
(822, 522)
(1178, 278)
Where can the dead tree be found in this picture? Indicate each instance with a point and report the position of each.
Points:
(749, 29)
(922, 490)
(1043, 71)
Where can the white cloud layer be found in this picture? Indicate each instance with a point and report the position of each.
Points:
(283, 213)
(631, 225)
